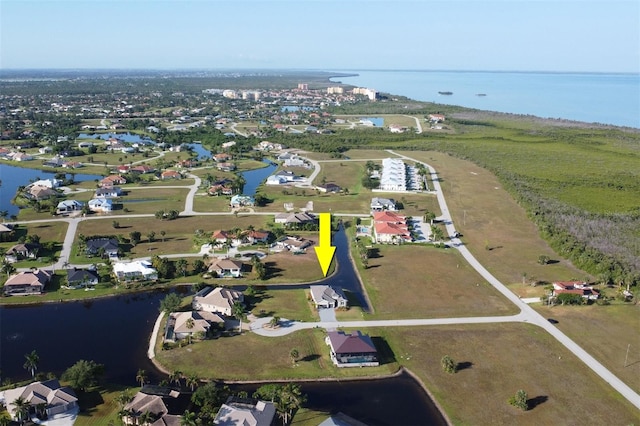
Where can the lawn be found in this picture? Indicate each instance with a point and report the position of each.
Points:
(98, 407)
(420, 281)
(494, 362)
(606, 332)
(495, 228)
(253, 357)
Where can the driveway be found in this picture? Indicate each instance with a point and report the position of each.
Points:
(327, 315)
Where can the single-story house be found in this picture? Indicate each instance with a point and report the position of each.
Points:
(139, 270)
(108, 192)
(219, 236)
(325, 296)
(226, 166)
(81, 277)
(328, 187)
(276, 180)
(219, 299)
(294, 244)
(380, 204)
(37, 192)
(170, 174)
(143, 168)
(222, 157)
(352, 350)
(47, 183)
(202, 322)
(255, 237)
(225, 268)
(112, 180)
(56, 399)
(156, 401)
(7, 233)
(29, 282)
(295, 219)
(104, 205)
(69, 206)
(107, 245)
(237, 411)
(240, 200)
(575, 287)
(22, 251)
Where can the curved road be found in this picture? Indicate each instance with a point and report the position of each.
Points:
(527, 314)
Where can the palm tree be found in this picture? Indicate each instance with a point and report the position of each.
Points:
(22, 409)
(237, 310)
(141, 377)
(192, 381)
(8, 268)
(175, 377)
(146, 418)
(31, 364)
(124, 398)
(190, 324)
(188, 419)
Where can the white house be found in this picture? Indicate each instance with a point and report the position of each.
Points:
(325, 296)
(56, 399)
(69, 206)
(245, 412)
(139, 270)
(103, 205)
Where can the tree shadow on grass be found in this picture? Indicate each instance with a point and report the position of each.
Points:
(464, 365)
(88, 400)
(272, 270)
(311, 357)
(534, 402)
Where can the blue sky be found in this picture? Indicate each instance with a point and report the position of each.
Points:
(561, 35)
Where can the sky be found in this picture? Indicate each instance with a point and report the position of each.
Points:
(505, 35)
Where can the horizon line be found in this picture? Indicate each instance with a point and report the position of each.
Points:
(327, 70)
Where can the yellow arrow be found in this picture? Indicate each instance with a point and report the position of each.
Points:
(325, 250)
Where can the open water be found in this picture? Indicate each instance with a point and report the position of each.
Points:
(589, 97)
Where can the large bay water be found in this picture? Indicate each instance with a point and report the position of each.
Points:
(589, 97)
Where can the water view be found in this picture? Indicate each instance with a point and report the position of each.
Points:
(254, 178)
(125, 137)
(13, 177)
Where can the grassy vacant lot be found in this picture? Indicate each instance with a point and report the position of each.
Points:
(494, 362)
(345, 174)
(368, 154)
(605, 332)
(234, 358)
(289, 304)
(417, 281)
(179, 233)
(488, 216)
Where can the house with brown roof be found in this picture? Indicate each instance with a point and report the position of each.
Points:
(22, 251)
(293, 244)
(153, 400)
(219, 299)
(27, 282)
(222, 157)
(579, 288)
(352, 350)
(254, 237)
(112, 180)
(56, 399)
(38, 192)
(201, 322)
(170, 174)
(225, 268)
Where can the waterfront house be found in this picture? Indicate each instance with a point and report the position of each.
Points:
(244, 411)
(226, 268)
(325, 296)
(112, 180)
(28, 282)
(156, 401)
(201, 322)
(40, 193)
(54, 399)
(139, 270)
(352, 350)
(219, 300)
(81, 277)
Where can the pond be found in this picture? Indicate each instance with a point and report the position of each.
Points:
(201, 151)
(114, 331)
(255, 177)
(13, 177)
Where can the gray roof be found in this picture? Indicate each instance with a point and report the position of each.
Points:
(81, 275)
(108, 244)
